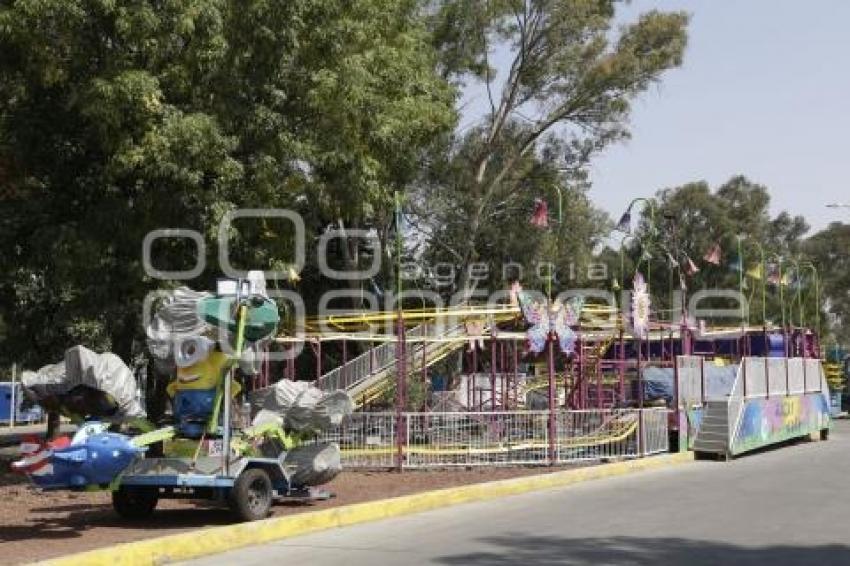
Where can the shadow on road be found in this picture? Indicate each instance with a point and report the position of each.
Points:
(633, 551)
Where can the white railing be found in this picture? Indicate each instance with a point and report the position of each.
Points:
(762, 378)
(355, 372)
(736, 401)
(367, 440)
(599, 434)
(499, 438)
(755, 377)
(765, 377)
(813, 375)
(476, 439)
(777, 376)
(689, 369)
(796, 378)
(654, 432)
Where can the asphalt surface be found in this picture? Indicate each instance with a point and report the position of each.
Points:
(784, 506)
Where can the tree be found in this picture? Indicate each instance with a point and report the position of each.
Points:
(692, 218)
(829, 250)
(117, 118)
(565, 96)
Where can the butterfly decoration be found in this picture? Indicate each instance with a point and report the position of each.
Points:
(640, 306)
(546, 318)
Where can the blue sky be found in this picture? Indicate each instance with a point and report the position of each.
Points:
(764, 92)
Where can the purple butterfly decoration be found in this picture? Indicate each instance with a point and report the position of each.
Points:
(545, 317)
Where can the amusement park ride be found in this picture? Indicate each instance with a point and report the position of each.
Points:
(239, 437)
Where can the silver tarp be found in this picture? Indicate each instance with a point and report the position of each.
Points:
(300, 406)
(313, 464)
(176, 319)
(103, 372)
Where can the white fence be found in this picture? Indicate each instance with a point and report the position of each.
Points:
(700, 380)
(767, 377)
(498, 438)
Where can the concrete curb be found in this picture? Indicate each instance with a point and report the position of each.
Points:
(215, 540)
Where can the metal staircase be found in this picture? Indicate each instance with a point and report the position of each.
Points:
(715, 429)
(371, 373)
(720, 421)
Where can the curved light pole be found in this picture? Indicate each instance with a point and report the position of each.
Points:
(745, 319)
(622, 256)
(763, 285)
(816, 275)
(778, 259)
(798, 294)
(624, 225)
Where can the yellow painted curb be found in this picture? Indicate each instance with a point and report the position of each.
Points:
(214, 540)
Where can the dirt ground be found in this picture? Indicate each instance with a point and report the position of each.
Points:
(38, 525)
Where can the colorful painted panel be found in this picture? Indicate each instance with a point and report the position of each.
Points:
(768, 421)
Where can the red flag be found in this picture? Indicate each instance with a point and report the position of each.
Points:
(773, 275)
(713, 255)
(540, 216)
(691, 268)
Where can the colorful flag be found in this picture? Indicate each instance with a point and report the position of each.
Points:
(540, 216)
(712, 256)
(773, 274)
(625, 223)
(755, 272)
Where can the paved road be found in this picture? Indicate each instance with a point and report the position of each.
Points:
(786, 506)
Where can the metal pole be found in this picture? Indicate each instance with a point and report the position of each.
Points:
(492, 373)
(552, 408)
(13, 399)
(344, 370)
(598, 383)
(241, 315)
(676, 386)
(516, 372)
(622, 370)
(640, 372)
(401, 434)
(787, 378)
(744, 316)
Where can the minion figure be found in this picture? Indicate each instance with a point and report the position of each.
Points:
(200, 371)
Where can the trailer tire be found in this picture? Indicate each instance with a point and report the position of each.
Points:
(251, 496)
(135, 502)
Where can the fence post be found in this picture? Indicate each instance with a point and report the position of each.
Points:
(641, 440)
(552, 401)
(13, 398)
(766, 380)
(787, 379)
(401, 377)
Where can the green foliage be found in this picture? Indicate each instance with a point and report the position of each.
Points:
(566, 95)
(119, 117)
(691, 218)
(829, 250)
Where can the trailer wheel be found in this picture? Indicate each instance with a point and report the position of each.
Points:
(135, 502)
(251, 496)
